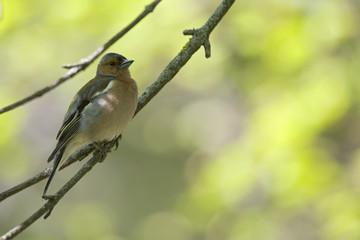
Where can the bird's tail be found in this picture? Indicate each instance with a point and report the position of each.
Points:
(58, 156)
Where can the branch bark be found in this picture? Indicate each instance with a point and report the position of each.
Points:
(200, 37)
(78, 156)
(83, 63)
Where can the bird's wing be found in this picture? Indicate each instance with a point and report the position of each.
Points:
(81, 100)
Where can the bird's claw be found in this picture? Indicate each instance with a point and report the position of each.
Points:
(103, 152)
(117, 139)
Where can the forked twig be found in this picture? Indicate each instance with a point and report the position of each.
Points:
(199, 38)
(84, 63)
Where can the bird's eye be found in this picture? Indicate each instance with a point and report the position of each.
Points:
(112, 63)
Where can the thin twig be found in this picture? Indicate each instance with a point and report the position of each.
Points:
(198, 39)
(28, 183)
(51, 203)
(85, 62)
(79, 155)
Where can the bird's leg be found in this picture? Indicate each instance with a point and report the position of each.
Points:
(117, 139)
(103, 152)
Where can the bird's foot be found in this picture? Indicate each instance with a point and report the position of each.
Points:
(102, 150)
(117, 139)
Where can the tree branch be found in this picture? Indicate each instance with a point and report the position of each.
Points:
(78, 156)
(199, 37)
(84, 63)
(49, 205)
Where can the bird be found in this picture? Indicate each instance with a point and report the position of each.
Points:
(99, 111)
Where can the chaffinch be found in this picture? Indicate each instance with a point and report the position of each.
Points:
(99, 111)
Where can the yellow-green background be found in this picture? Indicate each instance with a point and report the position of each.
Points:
(259, 142)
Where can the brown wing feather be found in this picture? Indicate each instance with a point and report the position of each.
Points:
(71, 122)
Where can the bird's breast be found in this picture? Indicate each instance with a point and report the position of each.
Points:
(110, 112)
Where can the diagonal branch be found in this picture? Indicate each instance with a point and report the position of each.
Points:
(78, 156)
(168, 73)
(199, 38)
(85, 62)
(56, 198)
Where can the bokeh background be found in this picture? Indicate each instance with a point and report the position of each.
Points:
(261, 141)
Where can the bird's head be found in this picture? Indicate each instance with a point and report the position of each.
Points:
(114, 64)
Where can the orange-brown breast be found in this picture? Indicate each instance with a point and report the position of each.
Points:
(110, 114)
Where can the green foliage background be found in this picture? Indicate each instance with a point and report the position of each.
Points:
(261, 141)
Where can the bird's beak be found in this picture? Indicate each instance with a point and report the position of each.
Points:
(126, 64)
